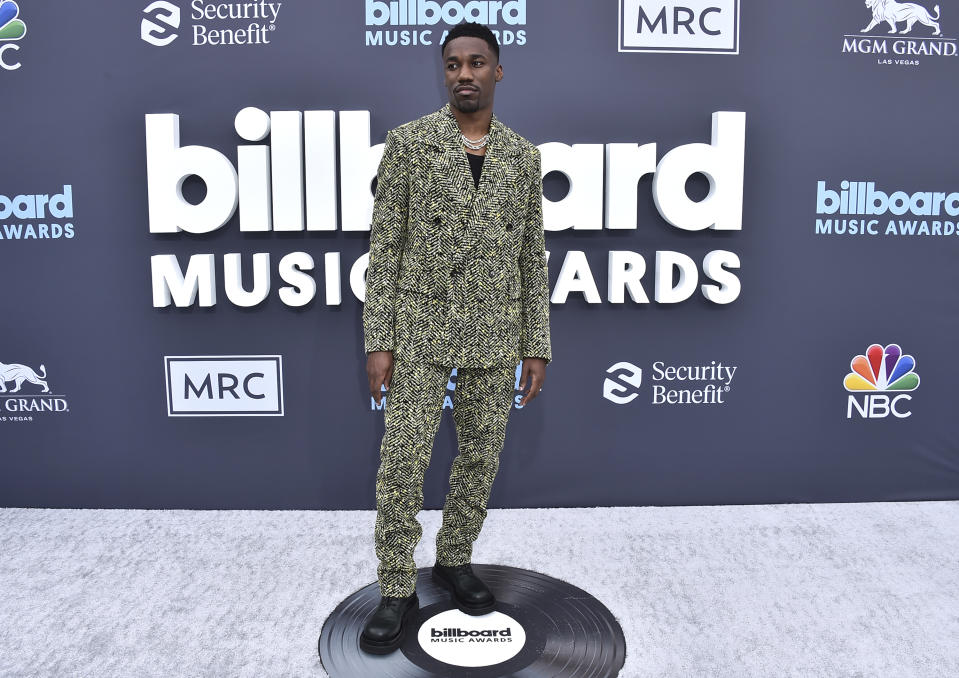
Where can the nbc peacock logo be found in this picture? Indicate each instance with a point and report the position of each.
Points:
(12, 28)
(880, 382)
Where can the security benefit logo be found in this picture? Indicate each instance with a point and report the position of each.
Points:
(25, 393)
(700, 26)
(392, 23)
(459, 639)
(673, 384)
(880, 383)
(42, 216)
(12, 29)
(224, 386)
(858, 208)
(212, 24)
(159, 23)
(889, 18)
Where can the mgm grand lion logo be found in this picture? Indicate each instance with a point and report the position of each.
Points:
(892, 12)
(18, 374)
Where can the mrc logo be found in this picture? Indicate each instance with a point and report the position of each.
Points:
(699, 26)
(880, 382)
(224, 386)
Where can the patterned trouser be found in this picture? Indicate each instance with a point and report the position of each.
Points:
(482, 401)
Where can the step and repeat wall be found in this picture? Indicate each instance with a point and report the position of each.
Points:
(751, 215)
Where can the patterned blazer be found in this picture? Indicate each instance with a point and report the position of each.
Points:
(457, 275)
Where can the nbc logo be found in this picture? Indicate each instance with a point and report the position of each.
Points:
(11, 28)
(879, 382)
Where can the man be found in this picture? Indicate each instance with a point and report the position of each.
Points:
(457, 278)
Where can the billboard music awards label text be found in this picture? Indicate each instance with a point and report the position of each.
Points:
(292, 184)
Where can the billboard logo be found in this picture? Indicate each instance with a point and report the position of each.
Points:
(451, 388)
(458, 639)
(19, 406)
(879, 382)
(897, 51)
(698, 26)
(855, 209)
(11, 28)
(159, 25)
(17, 213)
(224, 386)
(432, 12)
(413, 14)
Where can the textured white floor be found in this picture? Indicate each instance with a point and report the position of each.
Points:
(831, 590)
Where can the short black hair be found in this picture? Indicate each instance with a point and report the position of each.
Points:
(472, 29)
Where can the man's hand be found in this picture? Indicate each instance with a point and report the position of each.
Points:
(379, 370)
(535, 369)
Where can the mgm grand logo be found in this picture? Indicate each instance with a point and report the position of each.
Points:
(900, 51)
(19, 406)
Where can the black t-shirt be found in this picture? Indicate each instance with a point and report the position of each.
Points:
(476, 165)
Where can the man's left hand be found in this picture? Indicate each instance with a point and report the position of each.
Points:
(535, 370)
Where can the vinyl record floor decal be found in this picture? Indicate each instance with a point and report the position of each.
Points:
(541, 627)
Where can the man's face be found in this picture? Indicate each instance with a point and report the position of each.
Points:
(471, 73)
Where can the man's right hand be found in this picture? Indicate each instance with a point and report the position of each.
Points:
(379, 370)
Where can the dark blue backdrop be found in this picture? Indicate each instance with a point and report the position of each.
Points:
(810, 302)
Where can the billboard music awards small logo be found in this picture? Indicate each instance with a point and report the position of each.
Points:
(697, 26)
(31, 217)
(20, 405)
(448, 399)
(393, 23)
(880, 382)
(458, 639)
(702, 384)
(12, 29)
(900, 18)
(214, 24)
(858, 208)
(224, 386)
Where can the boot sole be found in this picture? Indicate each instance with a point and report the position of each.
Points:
(460, 605)
(387, 646)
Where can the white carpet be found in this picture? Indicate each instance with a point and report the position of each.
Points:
(804, 590)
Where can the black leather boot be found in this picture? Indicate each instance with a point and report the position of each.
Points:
(470, 594)
(386, 627)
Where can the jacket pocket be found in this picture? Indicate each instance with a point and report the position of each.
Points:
(414, 277)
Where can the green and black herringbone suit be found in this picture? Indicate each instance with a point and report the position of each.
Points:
(457, 277)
